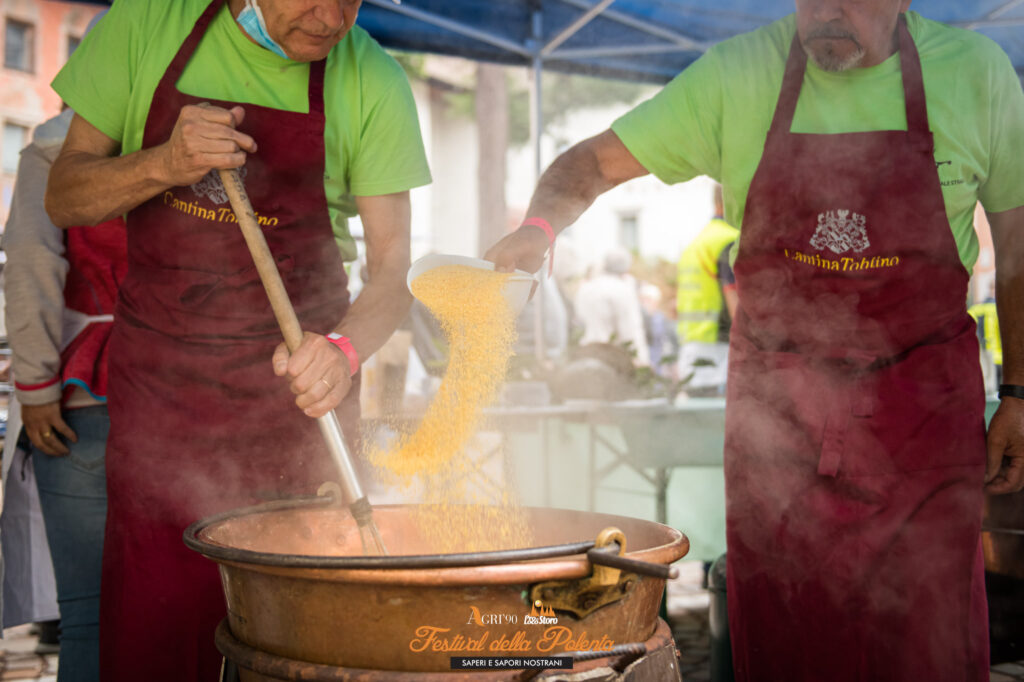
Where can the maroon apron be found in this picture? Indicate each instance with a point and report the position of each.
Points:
(855, 440)
(199, 422)
(97, 264)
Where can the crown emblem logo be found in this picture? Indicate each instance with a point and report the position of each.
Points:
(212, 188)
(839, 232)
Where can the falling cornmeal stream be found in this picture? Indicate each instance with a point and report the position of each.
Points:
(358, 504)
(435, 455)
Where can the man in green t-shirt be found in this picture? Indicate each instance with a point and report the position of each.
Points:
(321, 123)
(855, 454)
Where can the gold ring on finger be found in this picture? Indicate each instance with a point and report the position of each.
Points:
(327, 383)
(47, 434)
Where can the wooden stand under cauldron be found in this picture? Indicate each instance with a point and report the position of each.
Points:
(1003, 543)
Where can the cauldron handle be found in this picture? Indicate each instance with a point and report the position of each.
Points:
(609, 556)
(609, 552)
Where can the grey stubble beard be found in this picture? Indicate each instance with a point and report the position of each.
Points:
(826, 57)
(828, 60)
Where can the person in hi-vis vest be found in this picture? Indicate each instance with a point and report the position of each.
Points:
(705, 303)
(985, 315)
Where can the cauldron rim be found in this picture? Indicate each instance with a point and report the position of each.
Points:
(442, 567)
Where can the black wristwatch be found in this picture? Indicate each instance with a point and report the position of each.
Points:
(1011, 391)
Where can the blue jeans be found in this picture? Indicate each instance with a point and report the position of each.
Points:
(73, 497)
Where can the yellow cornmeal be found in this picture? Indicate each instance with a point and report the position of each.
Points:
(480, 328)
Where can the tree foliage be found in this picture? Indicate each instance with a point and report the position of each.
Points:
(564, 94)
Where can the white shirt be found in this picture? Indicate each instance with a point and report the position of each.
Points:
(608, 306)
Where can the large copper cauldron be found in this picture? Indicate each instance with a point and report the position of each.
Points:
(297, 587)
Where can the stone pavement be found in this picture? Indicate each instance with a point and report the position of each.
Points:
(18, 660)
(688, 616)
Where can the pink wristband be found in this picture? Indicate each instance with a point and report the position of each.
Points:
(546, 226)
(345, 344)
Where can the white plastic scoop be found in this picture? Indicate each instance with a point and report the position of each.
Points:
(517, 290)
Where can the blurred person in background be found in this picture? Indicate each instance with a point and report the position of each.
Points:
(607, 306)
(853, 141)
(706, 303)
(555, 323)
(60, 288)
(29, 587)
(209, 412)
(662, 343)
(986, 316)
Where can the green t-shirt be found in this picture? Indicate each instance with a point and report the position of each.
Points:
(372, 138)
(713, 118)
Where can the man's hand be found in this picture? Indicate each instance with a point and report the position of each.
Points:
(205, 138)
(1005, 473)
(523, 249)
(318, 373)
(42, 423)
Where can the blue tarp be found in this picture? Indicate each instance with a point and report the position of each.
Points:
(650, 40)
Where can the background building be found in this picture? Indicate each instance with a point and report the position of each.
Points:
(38, 37)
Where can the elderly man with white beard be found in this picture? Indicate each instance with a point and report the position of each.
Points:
(853, 140)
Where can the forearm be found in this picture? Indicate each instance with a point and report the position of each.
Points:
(86, 189)
(384, 302)
(375, 314)
(34, 282)
(576, 178)
(1005, 441)
(33, 290)
(1008, 238)
(1010, 308)
(567, 188)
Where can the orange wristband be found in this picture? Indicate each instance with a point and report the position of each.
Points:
(345, 344)
(546, 227)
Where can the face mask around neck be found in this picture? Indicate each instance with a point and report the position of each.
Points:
(251, 21)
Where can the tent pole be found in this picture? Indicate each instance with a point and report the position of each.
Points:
(537, 120)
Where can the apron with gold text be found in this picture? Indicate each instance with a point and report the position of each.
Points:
(855, 433)
(199, 422)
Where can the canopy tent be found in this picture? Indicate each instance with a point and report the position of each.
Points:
(644, 40)
(650, 40)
